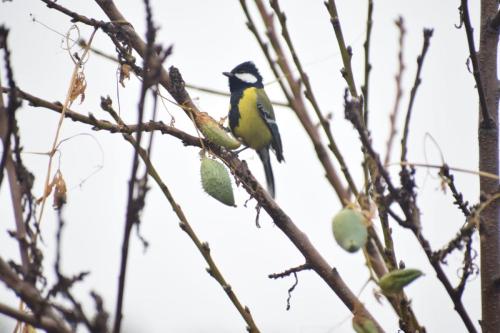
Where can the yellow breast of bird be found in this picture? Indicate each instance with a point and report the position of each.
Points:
(251, 129)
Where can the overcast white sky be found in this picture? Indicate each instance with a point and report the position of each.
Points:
(168, 289)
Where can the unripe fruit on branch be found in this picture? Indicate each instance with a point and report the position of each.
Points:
(215, 133)
(215, 181)
(350, 229)
(394, 281)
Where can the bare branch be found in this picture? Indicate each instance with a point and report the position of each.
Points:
(290, 271)
(31, 296)
(487, 121)
(399, 90)
(43, 322)
(452, 292)
(368, 67)
(346, 52)
(420, 61)
(459, 198)
(137, 189)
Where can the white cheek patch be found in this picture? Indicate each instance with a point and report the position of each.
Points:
(246, 77)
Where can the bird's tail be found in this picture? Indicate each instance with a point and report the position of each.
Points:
(266, 160)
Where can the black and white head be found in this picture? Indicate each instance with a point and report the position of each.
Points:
(243, 76)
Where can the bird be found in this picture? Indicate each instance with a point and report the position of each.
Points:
(251, 117)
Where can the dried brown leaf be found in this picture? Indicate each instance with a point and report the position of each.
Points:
(125, 70)
(60, 190)
(78, 88)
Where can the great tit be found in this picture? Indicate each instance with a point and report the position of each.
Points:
(251, 116)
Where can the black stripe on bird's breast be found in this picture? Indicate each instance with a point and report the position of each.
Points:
(234, 113)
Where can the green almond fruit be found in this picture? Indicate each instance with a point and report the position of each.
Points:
(394, 281)
(363, 325)
(215, 133)
(349, 229)
(215, 181)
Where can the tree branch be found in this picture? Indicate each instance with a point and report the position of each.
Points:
(43, 322)
(487, 121)
(346, 52)
(485, 73)
(137, 189)
(30, 295)
(368, 67)
(413, 93)
(399, 90)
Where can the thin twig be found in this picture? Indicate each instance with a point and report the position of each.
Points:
(353, 114)
(468, 267)
(31, 296)
(368, 67)
(365, 90)
(481, 174)
(290, 271)
(59, 125)
(459, 198)
(399, 90)
(487, 121)
(346, 52)
(226, 94)
(420, 60)
(455, 295)
(456, 243)
(42, 322)
(136, 190)
(64, 284)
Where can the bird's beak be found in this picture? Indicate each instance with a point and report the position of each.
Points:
(228, 74)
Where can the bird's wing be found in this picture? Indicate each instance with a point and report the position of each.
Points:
(266, 111)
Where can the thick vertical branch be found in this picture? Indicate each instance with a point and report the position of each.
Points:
(488, 161)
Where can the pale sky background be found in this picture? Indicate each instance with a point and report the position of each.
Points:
(168, 289)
